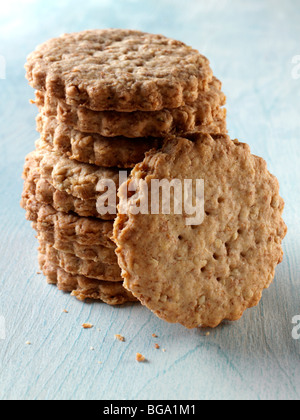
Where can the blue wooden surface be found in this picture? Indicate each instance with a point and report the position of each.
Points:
(251, 45)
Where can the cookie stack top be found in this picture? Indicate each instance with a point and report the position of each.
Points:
(124, 83)
(119, 70)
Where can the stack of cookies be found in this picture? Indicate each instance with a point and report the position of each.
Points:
(121, 101)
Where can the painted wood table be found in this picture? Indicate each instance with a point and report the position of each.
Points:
(254, 49)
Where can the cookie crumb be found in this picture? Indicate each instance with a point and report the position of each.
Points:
(38, 272)
(157, 346)
(207, 334)
(154, 335)
(65, 311)
(164, 350)
(28, 343)
(140, 358)
(87, 326)
(100, 363)
(119, 337)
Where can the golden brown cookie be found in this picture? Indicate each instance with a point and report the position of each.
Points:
(120, 70)
(77, 179)
(61, 201)
(94, 253)
(77, 266)
(205, 114)
(83, 288)
(201, 275)
(69, 186)
(94, 149)
(85, 231)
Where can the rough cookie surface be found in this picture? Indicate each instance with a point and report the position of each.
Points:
(204, 115)
(61, 201)
(94, 253)
(76, 266)
(92, 148)
(67, 185)
(67, 227)
(77, 179)
(120, 70)
(201, 275)
(83, 288)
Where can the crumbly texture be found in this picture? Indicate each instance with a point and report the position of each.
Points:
(76, 266)
(204, 115)
(87, 326)
(61, 201)
(140, 358)
(93, 253)
(45, 193)
(89, 148)
(85, 231)
(119, 337)
(201, 275)
(77, 179)
(121, 70)
(83, 288)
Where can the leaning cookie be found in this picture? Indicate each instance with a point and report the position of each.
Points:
(200, 275)
(120, 70)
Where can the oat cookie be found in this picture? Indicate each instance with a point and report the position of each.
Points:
(206, 111)
(61, 201)
(76, 266)
(39, 181)
(77, 179)
(93, 253)
(94, 149)
(201, 275)
(67, 227)
(120, 70)
(83, 288)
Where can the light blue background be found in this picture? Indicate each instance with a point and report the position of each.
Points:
(251, 45)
